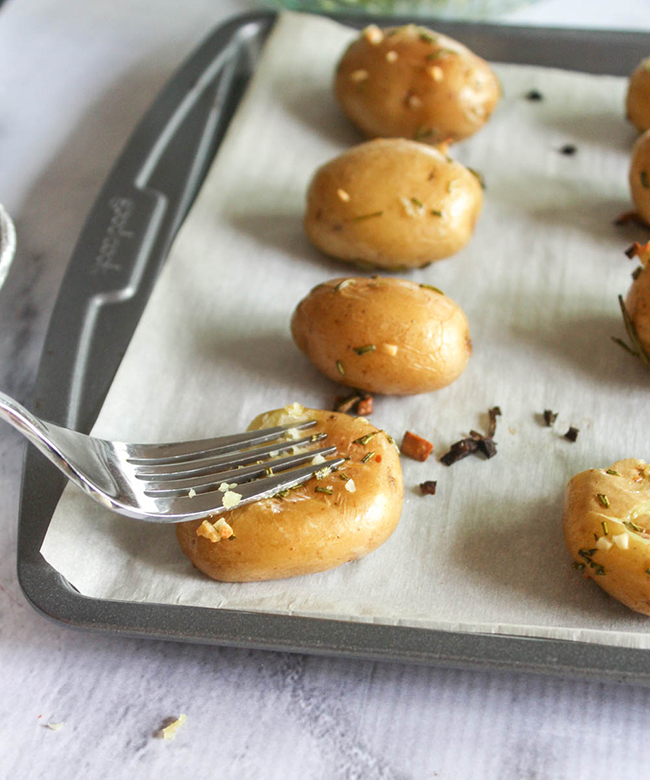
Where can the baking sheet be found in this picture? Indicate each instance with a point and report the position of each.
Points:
(538, 283)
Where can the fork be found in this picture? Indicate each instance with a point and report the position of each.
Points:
(171, 483)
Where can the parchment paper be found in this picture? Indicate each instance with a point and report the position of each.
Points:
(538, 282)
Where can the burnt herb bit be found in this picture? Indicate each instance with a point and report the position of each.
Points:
(428, 488)
(637, 272)
(358, 402)
(493, 413)
(568, 149)
(459, 450)
(534, 95)
(645, 179)
(414, 446)
(572, 434)
(364, 407)
(364, 349)
(578, 566)
(549, 417)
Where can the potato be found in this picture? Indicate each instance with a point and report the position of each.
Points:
(411, 82)
(383, 335)
(393, 204)
(308, 531)
(637, 302)
(637, 101)
(640, 176)
(607, 529)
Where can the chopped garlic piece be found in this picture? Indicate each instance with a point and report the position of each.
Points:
(359, 75)
(388, 349)
(207, 530)
(223, 528)
(191, 493)
(392, 56)
(343, 195)
(436, 72)
(622, 541)
(169, 732)
(350, 486)
(231, 499)
(56, 726)
(373, 34)
(323, 473)
(603, 543)
(317, 460)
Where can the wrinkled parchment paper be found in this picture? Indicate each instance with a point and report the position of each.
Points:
(538, 282)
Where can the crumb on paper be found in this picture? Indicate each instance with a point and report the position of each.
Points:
(414, 446)
(169, 731)
(55, 726)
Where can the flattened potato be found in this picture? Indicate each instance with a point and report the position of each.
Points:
(383, 335)
(411, 82)
(392, 204)
(607, 529)
(637, 101)
(309, 531)
(640, 176)
(637, 302)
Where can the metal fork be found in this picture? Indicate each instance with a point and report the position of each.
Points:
(174, 482)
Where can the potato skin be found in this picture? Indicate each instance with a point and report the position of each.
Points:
(640, 176)
(623, 571)
(637, 101)
(637, 304)
(307, 531)
(429, 331)
(392, 204)
(419, 85)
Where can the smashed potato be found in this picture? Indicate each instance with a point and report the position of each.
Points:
(637, 101)
(328, 521)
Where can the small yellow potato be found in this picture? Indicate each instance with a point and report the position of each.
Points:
(383, 335)
(637, 303)
(411, 82)
(637, 101)
(393, 204)
(640, 176)
(339, 517)
(607, 529)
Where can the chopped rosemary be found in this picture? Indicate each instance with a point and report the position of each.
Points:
(637, 349)
(417, 203)
(344, 283)
(329, 491)
(367, 457)
(282, 494)
(365, 439)
(632, 526)
(364, 349)
(423, 132)
(427, 37)
(613, 472)
(493, 413)
(603, 499)
(269, 472)
(637, 272)
(583, 553)
(344, 476)
(367, 216)
(645, 180)
(431, 287)
(340, 368)
(605, 527)
(435, 213)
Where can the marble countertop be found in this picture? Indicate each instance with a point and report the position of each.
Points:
(74, 79)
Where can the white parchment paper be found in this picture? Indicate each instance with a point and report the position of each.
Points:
(538, 282)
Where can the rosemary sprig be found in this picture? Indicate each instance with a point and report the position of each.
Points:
(637, 349)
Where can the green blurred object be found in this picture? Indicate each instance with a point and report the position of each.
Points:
(441, 9)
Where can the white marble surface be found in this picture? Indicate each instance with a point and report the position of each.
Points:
(74, 78)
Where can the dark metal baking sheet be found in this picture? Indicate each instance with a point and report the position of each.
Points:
(111, 273)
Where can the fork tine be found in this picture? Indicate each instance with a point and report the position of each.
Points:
(207, 504)
(200, 448)
(213, 465)
(203, 483)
